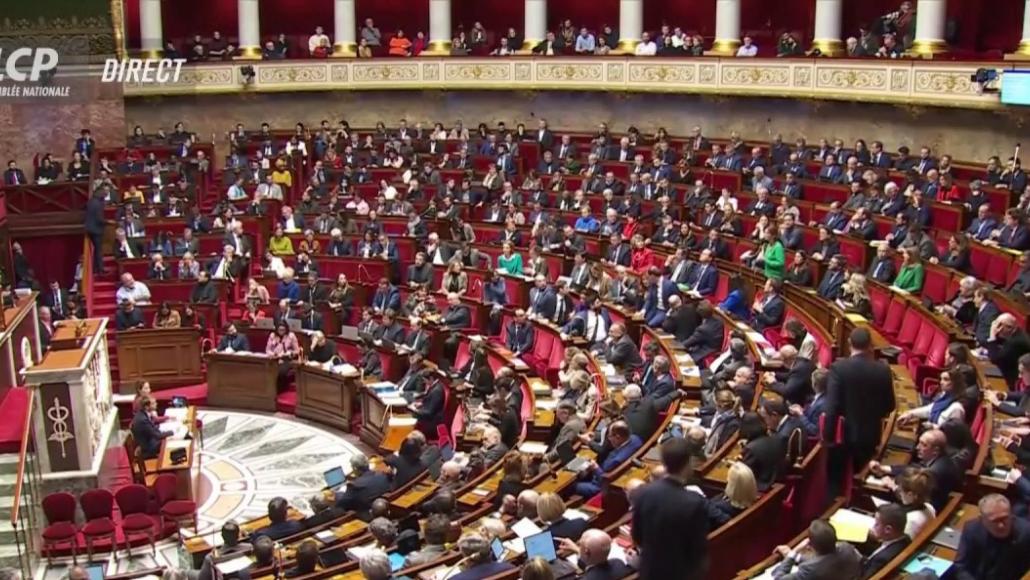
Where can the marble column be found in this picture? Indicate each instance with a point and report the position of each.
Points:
(249, 28)
(345, 26)
(439, 28)
(827, 27)
(930, 18)
(727, 27)
(151, 30)
(631, 24)
(1024, 44)
(536, 23)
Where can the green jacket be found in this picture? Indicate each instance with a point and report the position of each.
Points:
(910, 278)
(775, 259)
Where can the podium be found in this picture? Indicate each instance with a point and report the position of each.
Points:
(164, 356)
(242, 381)
(382, 426)
(326, 396)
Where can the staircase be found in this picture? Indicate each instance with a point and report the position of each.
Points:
(8, 544)
(105, 306)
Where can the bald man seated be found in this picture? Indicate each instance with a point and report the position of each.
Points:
(931, 451)
(593, 549)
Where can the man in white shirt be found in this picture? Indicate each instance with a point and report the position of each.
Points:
(647, 47)
(748, 48)
(290, 222)
(269, 189)
(236, 191)
(585, 41)
(224, 269)
(133, 290)
(317, 39)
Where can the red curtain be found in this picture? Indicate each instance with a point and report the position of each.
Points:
(694, 17)
(594, 14)
(410, 15)
(296, 17)
(53, 257)
(184, 18)
(495, 15)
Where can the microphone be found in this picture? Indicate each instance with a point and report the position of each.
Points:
(478, 284)
(363, 270)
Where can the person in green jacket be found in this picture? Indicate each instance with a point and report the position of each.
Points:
(774, 257)
(910, 277)
(509, 261)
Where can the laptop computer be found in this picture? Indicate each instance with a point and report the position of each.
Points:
(334, 477)
(95, 571)
(497, 548)
(567, 455)
(540, 545)
(349, 332)
(334, 557)
(264, 324)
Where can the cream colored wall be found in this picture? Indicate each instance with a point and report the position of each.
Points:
(966, 134)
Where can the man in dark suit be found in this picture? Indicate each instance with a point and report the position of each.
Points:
(593, 548)
(794, 381)
(519, 339)
(456, 316)
(412, 384)
(708, 337)
(56, 299)
(994, 546)
(129, 316)
(661, 389)
(770, 310)
(204, 291)
(429, 408)
(363, 487)
(390, 330)
(386, 297)
(830, 287)
(620, 350)
(541, 298)
(279, 526)
(418, 339)
(623, 444)
(859, 390)
(420, 272)
(889, 529)
(826, 559)
(544, 136)
(986, 311)
(932, 455)
(640, 412)
(232, 339)
(681, 319)
(95, 225)
(703, 277)
(14, 176)
(670, 523)
(145, 432)
(882, 269)
(983, 224)
(563, 306)
(312, 320)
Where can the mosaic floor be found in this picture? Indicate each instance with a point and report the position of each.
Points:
(247, 459)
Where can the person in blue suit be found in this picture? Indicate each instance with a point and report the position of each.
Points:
(811, 414)
(387, 297)
(738, 301)
(623, 445)
(656, 298)
(145, 432)
(520, 334)
(703, 277)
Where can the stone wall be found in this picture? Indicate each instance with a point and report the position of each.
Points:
(966, 134)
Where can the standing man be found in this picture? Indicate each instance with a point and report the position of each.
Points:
(859, 391)
(95, 228)
(670, 523)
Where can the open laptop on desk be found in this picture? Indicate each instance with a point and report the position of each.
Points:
(540, 545)
(334, 478)
(349, 332)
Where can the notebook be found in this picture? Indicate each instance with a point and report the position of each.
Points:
(540, 545)
(334, 477)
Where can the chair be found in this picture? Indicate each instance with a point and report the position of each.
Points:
(132, 502)
(59, 509)
(179, 511)
(97, 507)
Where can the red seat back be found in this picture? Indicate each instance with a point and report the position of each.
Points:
(935, 285)
(895, 313)
(911, 322)
(164, 488)
(938, 348)
(97, 503)
(132, 499)
(927, 330)
(880, 301)
(59, 507)
(978, 425)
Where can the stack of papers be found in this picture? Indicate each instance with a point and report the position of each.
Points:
(234, 565)
(325, 536)
(691, 371)
(547, 404)
(177, 413)
(533, 448)
(525, 528)
(394, 400)
(402, 421)
(851, 526)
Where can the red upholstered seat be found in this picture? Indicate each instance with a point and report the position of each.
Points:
(935, 285)
(132, 502)
(97, 507)
(910, 325)
(895, 314)
(59, 509)
(98, 527)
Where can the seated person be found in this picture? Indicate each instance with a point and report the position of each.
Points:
(364, 485)
(477, 560)
(889, 530)
(434, 536)
(764, 452)
(823, 556)
(995, 546)
(550, 510)
(306, 559)
(741, 493)
(145, 431)
(623, 445)
(232, 340)
(931, 451)
(279, 526)
(592, 552)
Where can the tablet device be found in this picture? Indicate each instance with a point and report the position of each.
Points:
(497, 548)
(95, 571)
(540, 545)
(334, 477)
(396, 561)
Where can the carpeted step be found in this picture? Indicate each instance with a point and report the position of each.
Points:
(13, 410)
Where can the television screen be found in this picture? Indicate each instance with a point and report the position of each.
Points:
(1015, 87)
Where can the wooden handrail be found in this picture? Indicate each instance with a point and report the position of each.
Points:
(22, 453)
(87, 275)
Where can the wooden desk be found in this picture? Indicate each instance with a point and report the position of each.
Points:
(242, 381)
(65, 331)
(326, 396)
(163, 356)
(184, 472)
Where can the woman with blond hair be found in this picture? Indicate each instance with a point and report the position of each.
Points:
(741, 493)
(854, 296)
(550, 508)
(915, 487)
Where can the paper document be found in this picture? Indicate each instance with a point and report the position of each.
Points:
(176, 413)
(533, 448)
(923, 561)
(851, 526)
(400, 402)
(402, 421)
(325, 536)
(234, 565)
(525, 528)
(547, 404)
